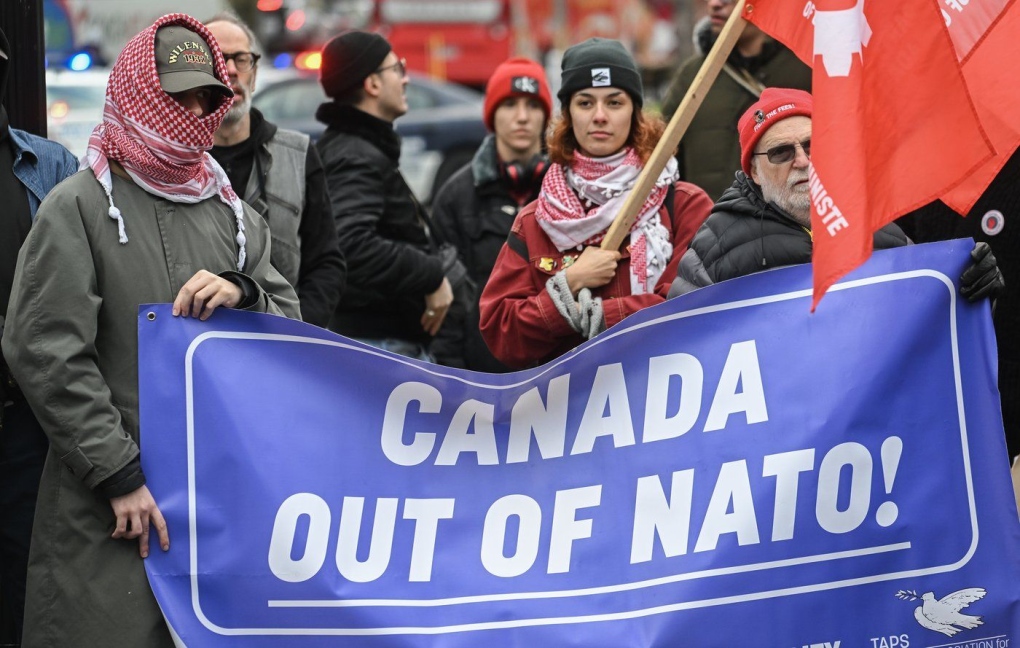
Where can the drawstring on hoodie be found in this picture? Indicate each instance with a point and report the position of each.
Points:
(115, 214)
(242, 254)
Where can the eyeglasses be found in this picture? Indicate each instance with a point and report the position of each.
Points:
(243, 61)
(400, 66)
(785, 152)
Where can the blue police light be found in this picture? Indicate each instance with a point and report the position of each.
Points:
(80, 61)
(283, 61)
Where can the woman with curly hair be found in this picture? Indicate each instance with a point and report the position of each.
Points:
(553, 287)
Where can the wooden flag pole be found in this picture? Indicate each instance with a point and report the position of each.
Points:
(676, 128)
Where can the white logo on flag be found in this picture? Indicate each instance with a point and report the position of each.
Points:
(839, 35)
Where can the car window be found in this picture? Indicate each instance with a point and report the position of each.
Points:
(419, 97)
(291, 100)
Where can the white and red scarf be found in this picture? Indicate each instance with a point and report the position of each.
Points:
(162, 145)
(578, 203)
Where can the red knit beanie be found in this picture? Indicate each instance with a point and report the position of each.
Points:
(516, 77)
(775, 105)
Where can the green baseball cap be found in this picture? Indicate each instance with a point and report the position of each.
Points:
(184, 62)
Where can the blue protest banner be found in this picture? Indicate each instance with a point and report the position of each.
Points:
(725, 469)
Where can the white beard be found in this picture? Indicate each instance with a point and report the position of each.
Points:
(796, 202)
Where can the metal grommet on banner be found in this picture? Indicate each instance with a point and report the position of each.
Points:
(992, 222)
(150, 316)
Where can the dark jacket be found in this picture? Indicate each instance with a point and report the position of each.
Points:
(995, 219)
(292, 199)
(383, 232)
(744, 234)
(710, 150)
(474, 211)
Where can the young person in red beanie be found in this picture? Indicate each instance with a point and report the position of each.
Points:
(764, 219)
(476, 207)
(397, 292)
(553, 287)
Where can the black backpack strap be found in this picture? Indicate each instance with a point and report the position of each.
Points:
(517, 244)
(670, 199)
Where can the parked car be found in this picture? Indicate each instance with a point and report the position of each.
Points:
(74, 106)
(441, 130)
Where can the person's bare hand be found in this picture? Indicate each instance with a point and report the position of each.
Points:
(204, 293)
(593, 269)
(135, 511)
(436, 305)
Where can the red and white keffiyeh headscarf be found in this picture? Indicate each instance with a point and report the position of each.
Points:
(578, 203)
(162, 145)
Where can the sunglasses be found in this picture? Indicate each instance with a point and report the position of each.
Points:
(786, 152)
(400, 67)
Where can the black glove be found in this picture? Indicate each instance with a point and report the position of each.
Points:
(982, 278)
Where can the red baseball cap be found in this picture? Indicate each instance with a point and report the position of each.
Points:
(774, 105)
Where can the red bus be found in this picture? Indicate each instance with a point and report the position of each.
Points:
(458, 40)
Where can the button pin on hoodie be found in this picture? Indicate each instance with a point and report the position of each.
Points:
(992, 222)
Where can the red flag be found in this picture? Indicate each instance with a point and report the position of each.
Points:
(894, 124)
(986, 35)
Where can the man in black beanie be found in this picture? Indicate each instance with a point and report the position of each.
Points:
(29, 167)
(397, 290)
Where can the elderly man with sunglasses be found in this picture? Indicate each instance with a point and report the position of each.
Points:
(764, 219)
(279, 173)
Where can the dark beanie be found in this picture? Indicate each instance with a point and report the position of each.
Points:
(348, 59)
(599, 63)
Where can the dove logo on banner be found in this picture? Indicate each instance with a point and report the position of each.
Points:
(943, 615)
(726, 455)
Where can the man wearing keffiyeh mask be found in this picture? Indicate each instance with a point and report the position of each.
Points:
(150, 218)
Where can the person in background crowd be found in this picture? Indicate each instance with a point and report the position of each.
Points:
(151, 219)
(279, 173)
(397, 289)
(30, 167)
(553, 287)
(764, 219)
(476, 207)
(994, 220)
(710, 150)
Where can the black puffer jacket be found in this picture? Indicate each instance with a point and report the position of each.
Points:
(474, 211)
(744, 234)
(392, 259)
